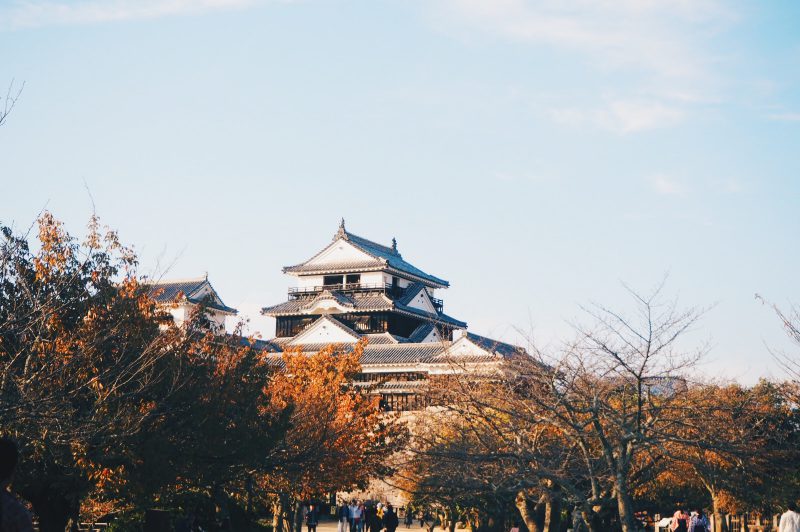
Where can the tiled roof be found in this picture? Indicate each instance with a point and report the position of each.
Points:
(269, 346)
(168, 292)
(393, 257)
(371, 302)
(336, 267)
(384, 257)
(421, 332)
(400, 353)
(410, 293)
(441, 318)
(501, 348)
(402, 386)
(384, 354)
(339, 297)
(382, 338)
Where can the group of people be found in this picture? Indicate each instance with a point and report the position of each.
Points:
(697, 521)
(683, 521)
(358, 517)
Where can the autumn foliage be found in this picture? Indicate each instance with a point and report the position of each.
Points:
(337, 437)
(118, 410)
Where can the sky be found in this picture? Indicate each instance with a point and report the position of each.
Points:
(536, 154)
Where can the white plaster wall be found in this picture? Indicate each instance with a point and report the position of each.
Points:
(308, 281)
(387, 278)
(433, 336)
(181, 314)
(463, 346)
(422, 302)
(323, 332)
(340, 251)
(372, 278)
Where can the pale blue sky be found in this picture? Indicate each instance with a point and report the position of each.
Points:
(535, 154)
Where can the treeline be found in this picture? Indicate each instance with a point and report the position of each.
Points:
(117, 411)
(616, 422)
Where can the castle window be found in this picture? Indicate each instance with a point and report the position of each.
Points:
(332, 280)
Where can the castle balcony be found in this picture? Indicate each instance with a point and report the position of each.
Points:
(356, 289)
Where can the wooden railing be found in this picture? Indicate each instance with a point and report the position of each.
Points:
(296, 292)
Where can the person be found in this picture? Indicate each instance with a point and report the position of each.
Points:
(371, 519)
(390, 520)
(356, 514)
(680, 521)
(790, 519)
(13, 515)
(343, 518)
(312, 518)
(351, 511)
(409, 519)
(699, 522)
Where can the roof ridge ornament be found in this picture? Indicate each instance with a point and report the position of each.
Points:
(394, 244)
(342, 232)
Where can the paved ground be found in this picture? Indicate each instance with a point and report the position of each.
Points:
(330, 526)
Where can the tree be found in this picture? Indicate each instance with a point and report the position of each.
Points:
(337, 437)
(10, 100)
(735, 445)
(577, 420)
(104, 400)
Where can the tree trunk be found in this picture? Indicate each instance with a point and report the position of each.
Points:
(552, 513)
(532, 515)
(451, 519)
(720, 524)
(282, 518)
(587, 520)
(624, 505)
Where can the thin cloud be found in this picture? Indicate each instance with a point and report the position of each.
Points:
(785, 117)
(35, 14)
(654, 36)
(667, 186)
(661, 45)
(622, 116)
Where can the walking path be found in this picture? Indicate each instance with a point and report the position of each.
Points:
(330, 526)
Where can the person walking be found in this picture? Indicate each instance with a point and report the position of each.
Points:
(390, 520)
(371, 519)
(13, 515)
(699, 522)
(312, 518)
(680, 521)
(352, 510)
(344, 518)
(790, 520)
(357, 515)
(409, 518)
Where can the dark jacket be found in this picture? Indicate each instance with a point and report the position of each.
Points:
(312, 517)
(390, 520)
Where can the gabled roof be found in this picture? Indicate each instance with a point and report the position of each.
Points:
(332, 295)
(385, 258)
(495, 346)
(382, 338)
(191, 290)
(421, 332)
(410, 293)
(324, 319)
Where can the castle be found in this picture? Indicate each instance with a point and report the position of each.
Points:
(355, 288)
